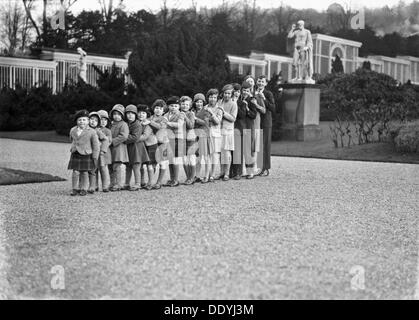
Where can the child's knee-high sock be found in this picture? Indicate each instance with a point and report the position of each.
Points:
(150, 170)
(117, 167)
(192, 167)
(186, 167)
(128, 174)
(84, 180)
(198, 167)
(227, 163)
(75, 180)
(162, 172)
(92, 180)
(104, 175)
(142, 174)
(172, 171)
(214, 161)
(207, 166)
(138, 174)
(176, 168)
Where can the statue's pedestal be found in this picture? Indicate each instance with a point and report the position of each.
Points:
(300, 112)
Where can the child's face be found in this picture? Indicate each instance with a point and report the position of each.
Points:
(158, 110)
(261, 83)
(236, 94)
(212, 99)
(82, 122)
(103, 122)
(245, 92)
(130, 116)
(199, 104)
(174, 107)
(227, 95)
(116, 116)
(185, 105)
(250, 81)
(93, 122)
(142, 115)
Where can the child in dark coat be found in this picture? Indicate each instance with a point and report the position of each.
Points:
(119, 150)
(105, 157)
(137, 153)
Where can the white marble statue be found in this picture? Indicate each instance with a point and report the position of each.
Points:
(303, 53)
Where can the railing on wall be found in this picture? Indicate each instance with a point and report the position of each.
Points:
(55, 69)
(27, 72)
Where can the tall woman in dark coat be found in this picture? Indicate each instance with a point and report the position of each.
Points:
(266, 122)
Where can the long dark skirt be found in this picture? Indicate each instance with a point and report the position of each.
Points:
(267, 139)
(81, 162)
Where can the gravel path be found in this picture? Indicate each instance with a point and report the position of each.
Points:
(298, 233)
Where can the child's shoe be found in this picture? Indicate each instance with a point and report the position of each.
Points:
(126, 188)
(174, 184)
(115, 188)
(157, 186)
(205, 180)
(211, 179)
(74, 192)
(91, 191)
(143, 185)
(105, 190)
(226, 178)
(168, 183)
(148, 187)
(188, 182)
(134, 188)
(83, 192)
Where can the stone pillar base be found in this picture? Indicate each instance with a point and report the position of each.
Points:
(301, 112)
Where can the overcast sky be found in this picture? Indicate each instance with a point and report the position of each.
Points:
(154, 5)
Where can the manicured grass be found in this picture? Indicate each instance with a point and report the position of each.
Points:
(49, 136)
(324, 148)
(11, 176)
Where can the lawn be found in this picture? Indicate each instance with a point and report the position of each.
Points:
(324, 149)
(11, 176)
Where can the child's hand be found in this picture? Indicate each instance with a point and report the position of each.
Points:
(146, 122)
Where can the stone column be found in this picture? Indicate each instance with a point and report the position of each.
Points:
(300, 112)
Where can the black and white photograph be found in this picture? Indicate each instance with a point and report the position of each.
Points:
(185, 150)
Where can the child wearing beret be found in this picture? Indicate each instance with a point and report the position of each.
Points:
(84, 153)
(105, 157)
(137, 153)
(158, 125)
(120, 132)
(175, 120)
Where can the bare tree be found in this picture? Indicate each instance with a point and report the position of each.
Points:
(108, 9)
(14, 27)
(28, 5)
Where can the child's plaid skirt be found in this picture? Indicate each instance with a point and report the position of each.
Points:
(81, 162)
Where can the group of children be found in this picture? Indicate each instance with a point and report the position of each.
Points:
(225, 130)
